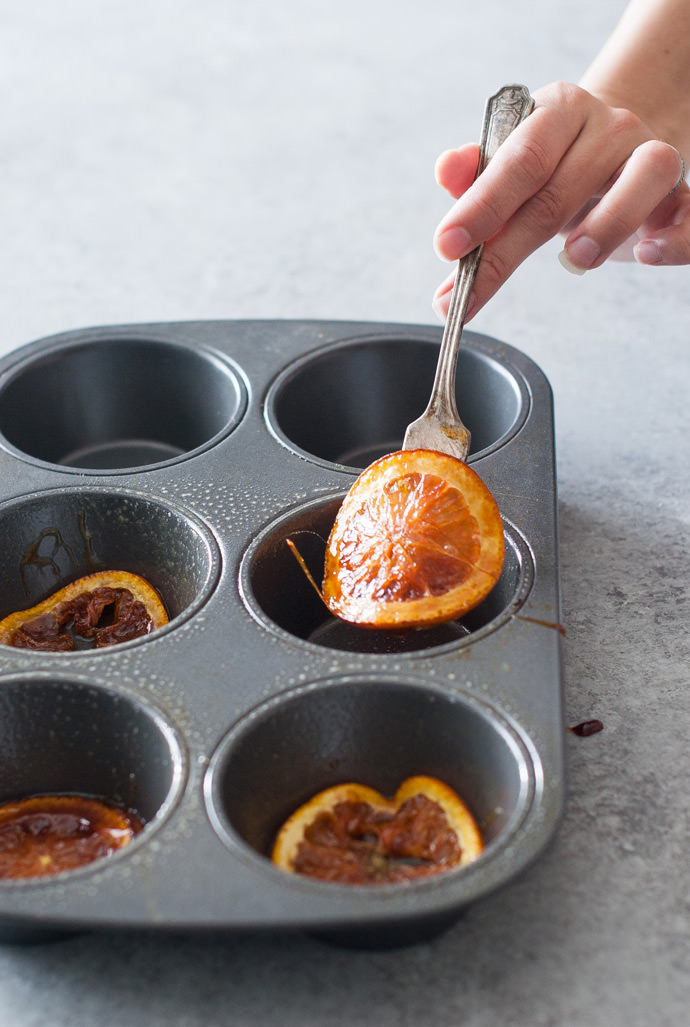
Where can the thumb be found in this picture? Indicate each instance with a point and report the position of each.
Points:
(455, 169)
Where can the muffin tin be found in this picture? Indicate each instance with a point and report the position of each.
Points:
(188, 453)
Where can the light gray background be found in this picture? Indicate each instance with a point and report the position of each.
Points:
(207, 159)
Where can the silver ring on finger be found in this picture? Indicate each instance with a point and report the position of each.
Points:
(683, 172)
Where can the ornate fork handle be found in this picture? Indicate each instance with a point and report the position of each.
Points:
(440, 426)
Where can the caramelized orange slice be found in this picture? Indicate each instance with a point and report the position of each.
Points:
(47, 834)
(351, 834)
(417, 541)
(95, 611)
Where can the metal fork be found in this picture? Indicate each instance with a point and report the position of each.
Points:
(440, 427)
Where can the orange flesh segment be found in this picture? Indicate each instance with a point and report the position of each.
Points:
(387, 551)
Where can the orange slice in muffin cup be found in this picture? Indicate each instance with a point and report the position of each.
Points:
(98, 610)
(49, 834)
(351, 834)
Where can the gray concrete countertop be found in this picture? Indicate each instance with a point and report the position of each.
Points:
(177, 161)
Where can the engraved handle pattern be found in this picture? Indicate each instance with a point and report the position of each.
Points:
(440, 426)
(504, 112)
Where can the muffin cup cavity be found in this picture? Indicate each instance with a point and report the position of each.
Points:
(277, 591)
(54, 537)
(350, 403)
(374, 731)
(60, 736)
(118, 404)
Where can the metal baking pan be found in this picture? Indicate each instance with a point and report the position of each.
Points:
(188, 452)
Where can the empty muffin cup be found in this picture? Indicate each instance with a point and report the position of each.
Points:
(119, 403)
(277, 591)
(370, 730)
(64, 737)
(54, 537)
(349, 403)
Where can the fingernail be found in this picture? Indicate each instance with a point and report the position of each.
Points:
(452, 243)
(583, 252)
(647, 252)
(568, 264)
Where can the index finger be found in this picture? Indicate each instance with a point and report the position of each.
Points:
(519, 169)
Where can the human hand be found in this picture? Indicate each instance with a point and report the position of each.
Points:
(595, 173)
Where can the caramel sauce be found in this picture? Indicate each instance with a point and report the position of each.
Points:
(355, 844)
(48, 834)
(587, 728)
(94, 619)
(544, 623)
(37, 557)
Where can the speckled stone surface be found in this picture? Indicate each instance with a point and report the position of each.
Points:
(177, 160)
